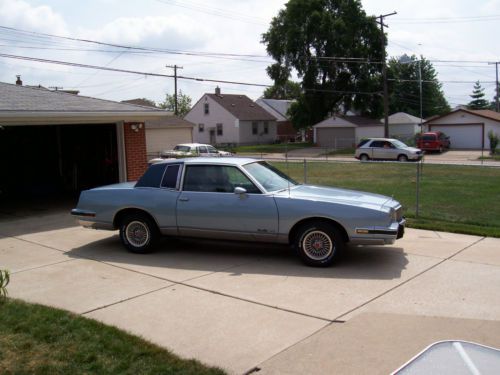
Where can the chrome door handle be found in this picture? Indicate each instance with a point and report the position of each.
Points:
(183, 199)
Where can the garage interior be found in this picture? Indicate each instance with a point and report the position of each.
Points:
(55, 162)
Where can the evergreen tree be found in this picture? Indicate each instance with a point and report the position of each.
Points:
(493, 105)
(478, 101)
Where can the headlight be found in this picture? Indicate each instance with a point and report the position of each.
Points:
(393, 215)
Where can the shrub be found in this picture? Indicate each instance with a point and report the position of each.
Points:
(4, 281)
(493, 137)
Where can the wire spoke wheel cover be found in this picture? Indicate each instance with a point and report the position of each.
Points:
(137, 233)
(317, 245)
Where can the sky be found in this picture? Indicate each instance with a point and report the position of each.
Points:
(459, 36)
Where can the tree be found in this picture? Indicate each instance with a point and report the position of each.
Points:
(478, 101)
(403, 76)
(493, 104)
(183, 103)
(288, 91)
(306, 36)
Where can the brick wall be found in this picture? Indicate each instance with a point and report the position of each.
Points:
(135, 150)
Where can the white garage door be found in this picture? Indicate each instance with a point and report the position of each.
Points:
(158, 140)
(462, 136)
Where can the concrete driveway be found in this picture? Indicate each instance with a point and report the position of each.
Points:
(255, 307)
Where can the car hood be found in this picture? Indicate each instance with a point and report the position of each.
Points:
(411, 149)
(337, 195)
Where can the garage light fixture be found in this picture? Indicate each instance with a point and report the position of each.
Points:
(136, 127)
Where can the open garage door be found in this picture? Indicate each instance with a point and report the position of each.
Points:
(56, 160)
(468, 136)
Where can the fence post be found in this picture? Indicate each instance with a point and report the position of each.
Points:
(305, 171)
(418, 191)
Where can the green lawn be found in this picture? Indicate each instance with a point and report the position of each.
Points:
(462, 199)
(40, 340)
(278, 148)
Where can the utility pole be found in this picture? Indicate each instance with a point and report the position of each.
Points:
(497, 93)
(384, 71)
(175, 67)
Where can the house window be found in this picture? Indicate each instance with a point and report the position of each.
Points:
(206, 109)
(255, 128)
(201, 128)
(219, 129)
(266, 127)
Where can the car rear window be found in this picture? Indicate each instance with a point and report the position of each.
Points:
(152, 177)
(429, 137)
(170, 178)
(363, 141)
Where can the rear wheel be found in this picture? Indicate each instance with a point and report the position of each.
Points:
(364, 157)
(138, 233)
(319, 244)
(402, 158)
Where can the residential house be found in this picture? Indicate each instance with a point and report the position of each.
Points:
(467, 128)
(52, 142)
(279, 109)
(231, 119)
(341, 131)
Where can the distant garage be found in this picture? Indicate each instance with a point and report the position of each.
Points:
(467, 129)
(54, 144)
(469, 136)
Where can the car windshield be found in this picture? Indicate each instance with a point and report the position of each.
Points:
(182, 148)
(269, 177)
(399, 144)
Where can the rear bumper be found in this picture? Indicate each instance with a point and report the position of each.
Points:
(86, 219)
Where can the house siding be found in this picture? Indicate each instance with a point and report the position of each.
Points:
(246, 136)
(135, 151)
(217, 115)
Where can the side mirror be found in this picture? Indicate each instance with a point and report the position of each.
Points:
(239, 190)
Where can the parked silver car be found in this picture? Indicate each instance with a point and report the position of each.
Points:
(240, 199)
(386, 149)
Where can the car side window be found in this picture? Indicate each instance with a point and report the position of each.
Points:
(170, 177)
(377, 144)
(216, 179)
(212, 150)
(202, 149)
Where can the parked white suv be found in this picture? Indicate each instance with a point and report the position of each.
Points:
(386, 149)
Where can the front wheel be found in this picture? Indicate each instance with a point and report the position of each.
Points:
(402, 158)
(138, 233)
(319, 244)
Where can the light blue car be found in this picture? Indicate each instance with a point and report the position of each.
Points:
(240, 199)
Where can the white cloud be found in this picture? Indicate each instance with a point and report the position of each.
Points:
(19, 14)
(175, 32)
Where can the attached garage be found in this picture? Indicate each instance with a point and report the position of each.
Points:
(54, 144)
(468, 136)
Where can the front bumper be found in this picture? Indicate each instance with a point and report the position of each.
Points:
(379, 235)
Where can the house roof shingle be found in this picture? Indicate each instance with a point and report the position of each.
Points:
(16, 98)
(242, 107)
(277, 108)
